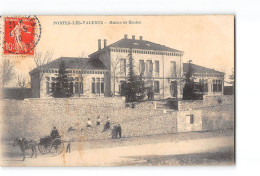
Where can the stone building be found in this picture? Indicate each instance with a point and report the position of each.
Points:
(212, 80)
(160, 65)
(88, 77)
(106, 71)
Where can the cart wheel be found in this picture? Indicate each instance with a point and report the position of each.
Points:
(56, 147)
(44, 149)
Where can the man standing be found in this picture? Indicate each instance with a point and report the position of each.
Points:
(119, 130)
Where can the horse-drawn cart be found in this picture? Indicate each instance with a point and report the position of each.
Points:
(51, 145)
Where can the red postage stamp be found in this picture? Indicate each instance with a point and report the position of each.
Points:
(19, 37)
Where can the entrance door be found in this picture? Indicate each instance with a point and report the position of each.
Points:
(173, 88)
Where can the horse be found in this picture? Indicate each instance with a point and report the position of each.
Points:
(25, 145)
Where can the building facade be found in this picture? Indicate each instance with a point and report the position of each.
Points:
(87, 77)
(212, 80)
(106, 71)
(160, 66)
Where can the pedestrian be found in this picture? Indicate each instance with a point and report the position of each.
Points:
(98, 121)
(89, 123)
(119, 130)
(107, 125)
(68, 148)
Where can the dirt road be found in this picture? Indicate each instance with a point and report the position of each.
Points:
(216, 150)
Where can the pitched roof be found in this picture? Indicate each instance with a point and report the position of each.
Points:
(75, 63)
(141, 44)
(200, 69)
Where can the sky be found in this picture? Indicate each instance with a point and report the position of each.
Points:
(207, 40)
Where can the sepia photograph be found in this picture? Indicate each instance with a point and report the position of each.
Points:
(117, 90)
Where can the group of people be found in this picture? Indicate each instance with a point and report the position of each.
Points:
(116, 131)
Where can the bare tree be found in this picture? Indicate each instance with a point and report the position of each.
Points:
(82, 68)
(115, 71)
(231, 78)
(23, 81)
(7, 72)
(41, 61)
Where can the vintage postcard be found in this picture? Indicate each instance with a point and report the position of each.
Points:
(117, 90)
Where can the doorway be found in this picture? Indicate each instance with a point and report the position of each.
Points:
(173, 89)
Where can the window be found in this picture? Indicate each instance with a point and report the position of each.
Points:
(190, 119)
(173, 68)
(93, 86)
(81, 87)
(47, 87)
(102, 85)
(205, 87)
(149, 66)
(122, 88)
(219, 86)
(52, 86)
(48, 78)
(156, 86)
(157, 67)
(123, 66)
(98, 85)
(214, 86)
(141, 66)
(71, 87)
(76, 87)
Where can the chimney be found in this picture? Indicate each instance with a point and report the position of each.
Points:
(133, 37)
(141, 37)
(105, 43)
(125, 36)
(99, 44)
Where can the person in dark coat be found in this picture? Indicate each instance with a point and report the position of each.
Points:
(54, 133)
(119, 130)
(107, 125)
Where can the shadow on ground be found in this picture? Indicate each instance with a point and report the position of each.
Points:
(223, 157)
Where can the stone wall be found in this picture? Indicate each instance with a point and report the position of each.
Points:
(34, 118)
(218, 117)
(184, 122)
(207, 101)
(184, 105)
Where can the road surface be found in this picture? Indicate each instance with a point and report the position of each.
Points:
(215, 150)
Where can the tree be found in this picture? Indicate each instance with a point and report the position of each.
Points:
(191, 90)
(82, 67)
(7, 72)
(115, 71)
(61, 87)
(231, 78)
(22, 81)
(41, 61)
(134, 89)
